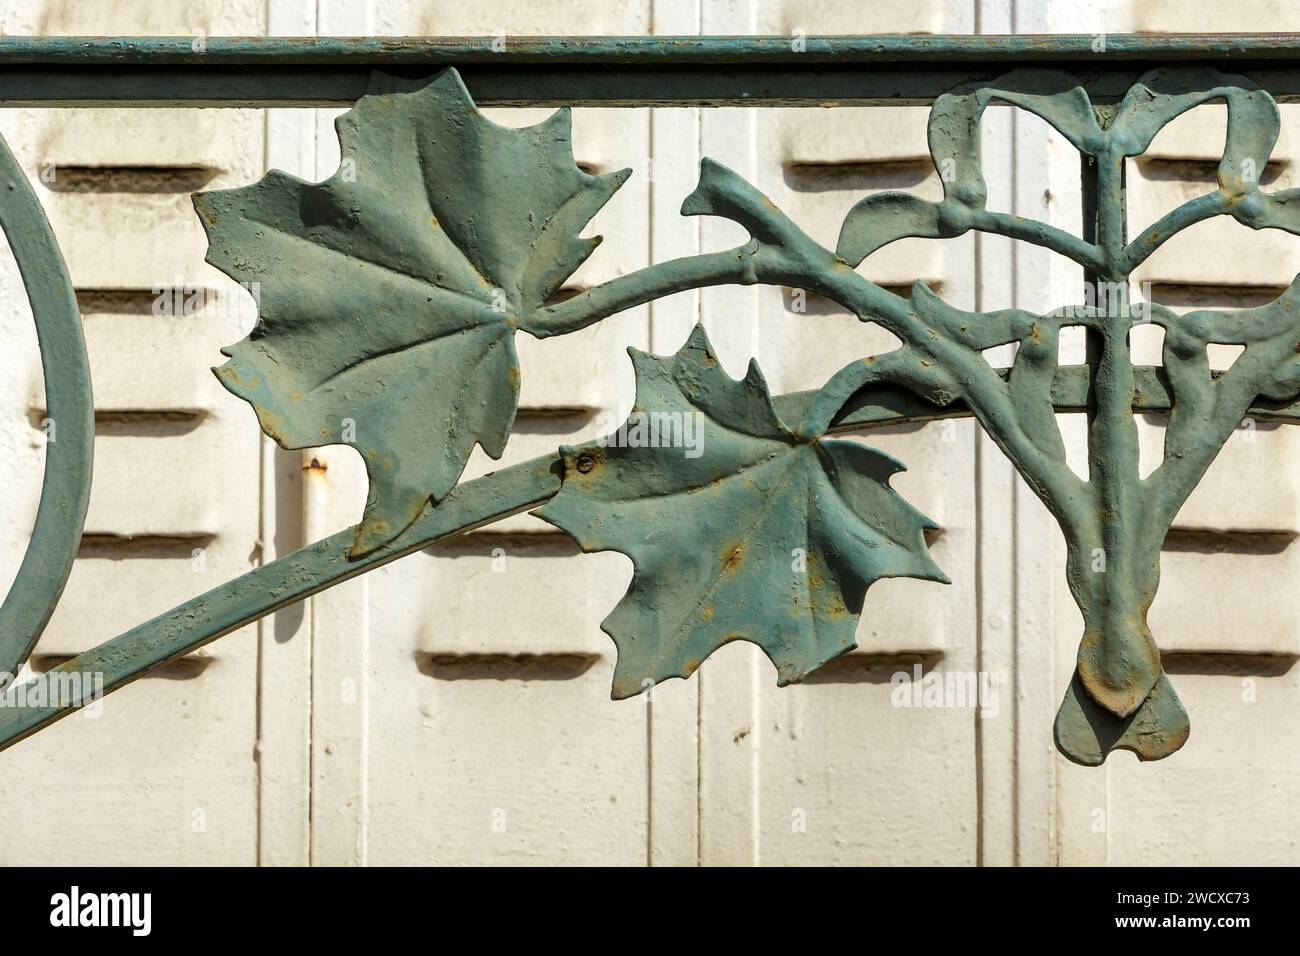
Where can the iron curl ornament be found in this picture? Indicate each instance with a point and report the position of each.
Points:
(391, 294)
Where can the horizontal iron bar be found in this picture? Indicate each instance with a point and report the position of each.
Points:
(619, 50)
(602, 71)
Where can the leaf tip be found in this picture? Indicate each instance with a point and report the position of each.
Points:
(700, 201)
(623, 689)
(698, 340)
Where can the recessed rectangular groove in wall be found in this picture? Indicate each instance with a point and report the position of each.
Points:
(184, 668)
(552, 419)
(161, 423)
(1157, 420)
(1199, 296)
(505, 666)
(861, 667)
(868, 435)
(126, 179)
(564, 293)
(1206, 171)
(152, 301)
(861, 175)
(143, 423)
(1227, 664)
(491, 544)
(1207, 541)
(814, 304)
(119, 547)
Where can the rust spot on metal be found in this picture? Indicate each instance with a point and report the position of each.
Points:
(732, 557)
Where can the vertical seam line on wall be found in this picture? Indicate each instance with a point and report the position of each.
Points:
(697, 226)
(976, 255)
(260, 671)
(311, 611)
(977, 262)
(758, 676)
(1015, 616)
(651, 192)
(979, 606)
(265, 634)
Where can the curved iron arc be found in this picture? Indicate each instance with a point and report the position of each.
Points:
(70, 410)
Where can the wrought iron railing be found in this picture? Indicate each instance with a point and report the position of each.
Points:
(392, 291)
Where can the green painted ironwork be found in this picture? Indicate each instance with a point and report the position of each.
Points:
(392, 291)
(769, 71)
(451, 231)
(69, 425)
(755, 529)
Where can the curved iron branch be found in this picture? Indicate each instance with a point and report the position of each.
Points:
(276, 585)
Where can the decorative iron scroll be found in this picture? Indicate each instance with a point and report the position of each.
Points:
(391, 293)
